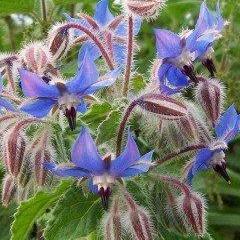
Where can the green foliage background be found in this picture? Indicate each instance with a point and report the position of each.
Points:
(223, 200)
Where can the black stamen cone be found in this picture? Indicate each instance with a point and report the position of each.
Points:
(221, 170)
(71, 117)
(209, 64)
(189, 71)
(105, 194)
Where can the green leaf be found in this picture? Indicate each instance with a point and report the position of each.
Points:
(74, 216)
(66, 2)
(96, 114)
(138, 83)
(31, 210)
(224, 219)
(108, 128)
(13, 6)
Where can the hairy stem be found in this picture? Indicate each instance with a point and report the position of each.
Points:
(179, 152)
(123, 124)
(44, 10)
(95, 39)
(129, 56)
(10, 79)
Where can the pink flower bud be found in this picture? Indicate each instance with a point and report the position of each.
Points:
(36, 57)
(113, 225)
(59, 41)
(8, 190)
(192, 208)
(144, 8)
(166, 107)
(139, 220)
(209, 93)
(15, 149)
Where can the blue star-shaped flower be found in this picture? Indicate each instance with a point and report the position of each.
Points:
(213, 156)
(114, 37)
(101, 172)
(66, 96)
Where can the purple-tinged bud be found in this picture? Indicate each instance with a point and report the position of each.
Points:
(71, 116)
(36, 57)
(192, 208)
(25, 172)
(142, 8)
(15, 150)
(8, 190)
(105, 193)
(166, 107)
(210, 95)
(188, 70)
(40, 157)
(209, 64)
(139, 220)
(112, 223)
(59, 41)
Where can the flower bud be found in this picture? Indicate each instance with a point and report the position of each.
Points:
(113, 225)
(139, 220)
(36, 57)
(15, 149)
(166, 107)
(40, 157)
(59, 41)
(26, 171)
(192, 207)
(144, 8)
(209, 93)
(209, 64)
(8, 190)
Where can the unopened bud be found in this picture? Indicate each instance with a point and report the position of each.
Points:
(59, 41)
(144, 8)
(209, 93)
(166, 107)
(139, 219)
(8, 190)
(36, 57)
(26, 171)
(192, 208)
(209, 64)
(40, 157)
(15, 149)
(188, 70)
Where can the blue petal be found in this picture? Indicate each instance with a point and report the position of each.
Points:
(82, 107)
(91, 187)
(92, 50)
(87, 75)
(7, 105)
(168, 44)
(122, 29)
(39, 107)
(202, 160)
(126, 159)
(65, 171)
(139, 167)
(227, 127)
(85, 153)
(106, 81)
(119, 52)
(1, 84)
(33, 86)
(176, 77)
(102, 13)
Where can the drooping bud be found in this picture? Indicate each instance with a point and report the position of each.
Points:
(25, 172)
(210, 95)
(192, 208)
(112, 224)
(139, 220)
(59, 41)
(15, 150)
(8, 190)
(36, 57)
(209, 64)
(166, 107)
(144, 8)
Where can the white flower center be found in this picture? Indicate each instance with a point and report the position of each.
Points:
(103, 181)
(67, 101)
(185, 58)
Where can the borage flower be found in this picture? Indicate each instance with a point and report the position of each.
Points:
(68, 96)
(207, 30)
(213, 156)
(112, 30)
(101, 172)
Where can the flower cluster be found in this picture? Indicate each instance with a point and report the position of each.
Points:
(36, 100)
